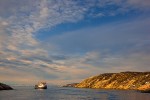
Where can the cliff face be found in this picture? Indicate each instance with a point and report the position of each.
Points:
(123, 80)
(5, 87)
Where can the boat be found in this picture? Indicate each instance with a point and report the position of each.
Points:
(41, 85)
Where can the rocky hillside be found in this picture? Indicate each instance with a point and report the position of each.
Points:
(123, 80)
(5, 87)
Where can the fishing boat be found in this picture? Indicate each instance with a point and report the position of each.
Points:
(41, 85)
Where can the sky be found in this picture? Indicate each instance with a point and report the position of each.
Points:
(65, 41)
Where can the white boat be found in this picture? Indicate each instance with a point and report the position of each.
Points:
(41, 85)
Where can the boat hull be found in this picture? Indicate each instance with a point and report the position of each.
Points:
(37, 87)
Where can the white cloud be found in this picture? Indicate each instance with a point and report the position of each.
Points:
(21, 51)
(118, 46)
(42, 14)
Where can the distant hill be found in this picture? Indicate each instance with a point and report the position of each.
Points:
(5, 87)
(122, 80)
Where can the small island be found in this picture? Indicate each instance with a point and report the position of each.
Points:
(5, 87)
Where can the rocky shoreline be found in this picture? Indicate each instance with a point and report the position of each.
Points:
(5, 87)
(145, 88)
(124, 80)
(70, 85)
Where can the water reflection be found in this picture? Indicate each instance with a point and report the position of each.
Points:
(57, 93)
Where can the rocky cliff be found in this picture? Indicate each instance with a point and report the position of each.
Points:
(123, 80)
(5, 87)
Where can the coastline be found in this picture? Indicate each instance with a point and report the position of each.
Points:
(138, 81)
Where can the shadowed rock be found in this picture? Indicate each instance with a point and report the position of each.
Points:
(5, 87)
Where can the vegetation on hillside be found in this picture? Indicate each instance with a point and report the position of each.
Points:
(123, 80)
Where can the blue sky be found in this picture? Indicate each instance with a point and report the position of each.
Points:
(64, 41)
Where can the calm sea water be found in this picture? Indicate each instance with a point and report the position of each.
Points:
(62, 93)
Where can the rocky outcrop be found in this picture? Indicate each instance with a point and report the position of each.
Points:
(145, 88)
(5, 87)
(70, 85)
(123, 80)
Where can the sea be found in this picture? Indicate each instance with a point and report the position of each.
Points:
(67, 93)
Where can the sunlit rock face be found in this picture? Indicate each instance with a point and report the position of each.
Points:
(145, 88)
(123, 80)
(5, 87)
